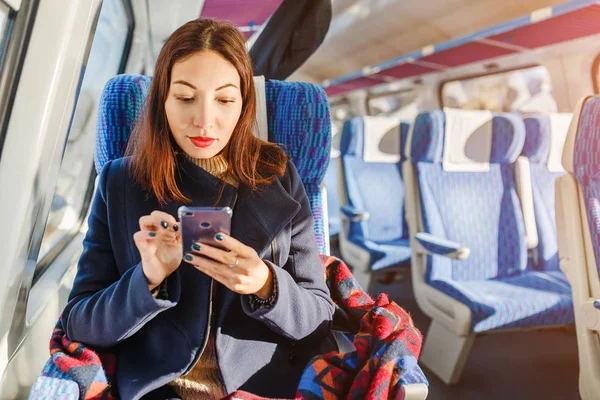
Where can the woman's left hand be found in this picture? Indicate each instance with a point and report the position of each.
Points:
(238, 267)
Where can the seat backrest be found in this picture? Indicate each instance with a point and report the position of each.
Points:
(544, 140)
(578, 221)
(297, 115)
(581, 158)
(370, 153)
(467, 191)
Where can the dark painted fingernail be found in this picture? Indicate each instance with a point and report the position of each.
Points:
(164, 224)
(196, 247)
(175, 227)
(218, 236)
(152, 234)
(188, 257)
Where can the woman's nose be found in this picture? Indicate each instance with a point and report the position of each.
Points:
(204, 117)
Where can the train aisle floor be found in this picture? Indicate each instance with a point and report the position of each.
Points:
(527, 365)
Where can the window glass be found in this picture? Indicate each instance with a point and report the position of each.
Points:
(5, 31)
(523, 90)
(405, 105)
(340, 113)
(74, 181)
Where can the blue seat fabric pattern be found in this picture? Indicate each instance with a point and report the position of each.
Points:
(586, 163)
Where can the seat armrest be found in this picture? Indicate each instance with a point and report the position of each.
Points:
(353, 214)
(412, 391)
(590, 310)
(431, 244)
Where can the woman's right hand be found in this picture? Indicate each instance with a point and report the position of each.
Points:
(160, 247)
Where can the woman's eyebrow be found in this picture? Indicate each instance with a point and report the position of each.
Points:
(186, 83)
(224, 86)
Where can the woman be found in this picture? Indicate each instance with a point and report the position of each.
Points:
(200, 323)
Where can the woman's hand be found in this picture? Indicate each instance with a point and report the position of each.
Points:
(159, 244)
(239, 267)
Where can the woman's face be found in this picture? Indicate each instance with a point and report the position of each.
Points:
(204, 103)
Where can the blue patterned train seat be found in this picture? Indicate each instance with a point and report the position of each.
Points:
(578, 223)
(375, 234)
(470, 258)
(297, 116)
(481, 211)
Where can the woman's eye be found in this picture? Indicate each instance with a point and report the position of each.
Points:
(185, 99)
(226, 101)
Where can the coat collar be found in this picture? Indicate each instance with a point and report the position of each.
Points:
(261, 214)
(258, 215)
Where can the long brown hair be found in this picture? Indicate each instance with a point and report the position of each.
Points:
(250, 161)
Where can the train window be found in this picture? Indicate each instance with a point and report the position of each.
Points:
(395, 104)
(340, 112)
(522, 90)
(16, 19)
(6, 17)
(76, 179)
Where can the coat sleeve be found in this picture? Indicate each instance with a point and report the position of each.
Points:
(303, 304)
(105, 307)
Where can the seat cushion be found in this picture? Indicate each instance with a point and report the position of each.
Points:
(533, 298)
(385, 254)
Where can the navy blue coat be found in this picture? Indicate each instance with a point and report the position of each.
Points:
(158, 340)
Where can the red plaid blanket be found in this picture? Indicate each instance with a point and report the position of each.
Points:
(387, 345)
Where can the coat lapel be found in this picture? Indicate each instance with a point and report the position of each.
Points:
(258, 217)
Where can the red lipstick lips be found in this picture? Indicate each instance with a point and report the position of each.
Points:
(201, 141)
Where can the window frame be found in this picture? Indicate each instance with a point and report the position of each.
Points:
(52, 253)
(12, 57)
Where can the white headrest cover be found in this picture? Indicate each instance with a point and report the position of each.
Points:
(467, 140)
(381, 139)
(559, 127)
(261, 109)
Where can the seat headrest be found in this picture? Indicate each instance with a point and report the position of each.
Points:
(584, 125)
(123, 97)
(477, 139)
(537, 138)
(545, 136)
(121, 103)
(299, 120)
(375, 139)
